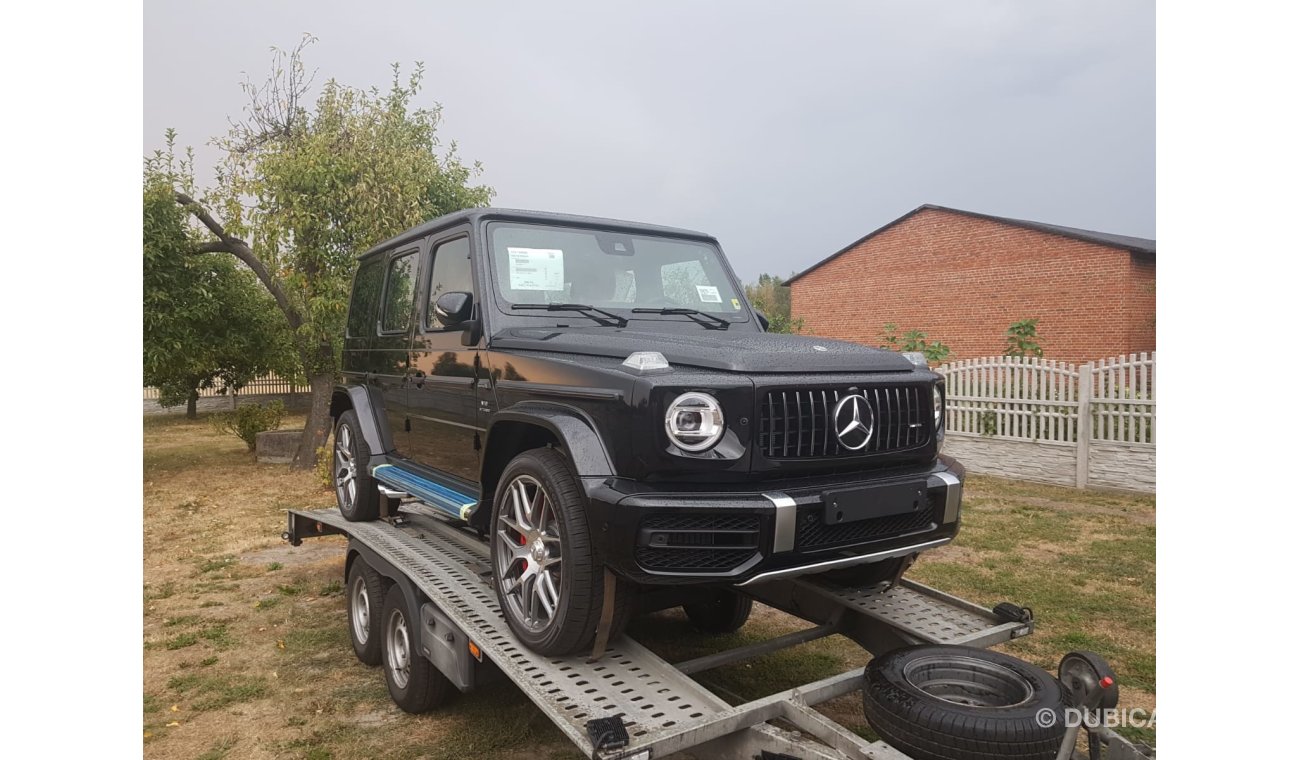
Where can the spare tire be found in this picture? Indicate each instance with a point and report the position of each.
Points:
(960, 703)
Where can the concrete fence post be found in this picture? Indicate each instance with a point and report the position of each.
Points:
(1085, 426)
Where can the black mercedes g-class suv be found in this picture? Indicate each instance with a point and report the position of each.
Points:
(592, 395)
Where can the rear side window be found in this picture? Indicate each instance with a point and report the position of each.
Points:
(450, 274)
(365, 299)
(399, 294)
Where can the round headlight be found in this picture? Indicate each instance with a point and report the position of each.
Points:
(694, 421)
(938, 408)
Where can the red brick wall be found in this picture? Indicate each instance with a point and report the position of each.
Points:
(963, 280)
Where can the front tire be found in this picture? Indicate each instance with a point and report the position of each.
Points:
(726, 612)
(356, 492)
(548, 581)
(414, 683)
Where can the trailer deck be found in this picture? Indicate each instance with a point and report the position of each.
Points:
(663, 709)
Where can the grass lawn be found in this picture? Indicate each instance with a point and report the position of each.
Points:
(246, 652)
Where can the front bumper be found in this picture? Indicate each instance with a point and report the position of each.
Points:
(679, 533)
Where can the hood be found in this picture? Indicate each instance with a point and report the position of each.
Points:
(735, 352)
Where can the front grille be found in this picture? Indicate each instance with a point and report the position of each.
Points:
(797, 424)
(812, 533)
(697, 543)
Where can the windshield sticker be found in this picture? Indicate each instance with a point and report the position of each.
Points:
(708, 294)
(735, 304)
(536, 268)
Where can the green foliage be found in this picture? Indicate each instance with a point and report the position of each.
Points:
(303, 188)
(331, 181)
(249, 420)
(324, 469)
(1022, 339)
(207, 322)
(770, 296)
(913, 340)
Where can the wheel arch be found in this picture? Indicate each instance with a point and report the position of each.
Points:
(533, 425)
(374, 427)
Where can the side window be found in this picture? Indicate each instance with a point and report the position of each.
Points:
(450, 274)
(365, 299)
(399, 294)
(681, 280)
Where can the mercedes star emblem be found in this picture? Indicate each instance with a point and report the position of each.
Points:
(854, 422)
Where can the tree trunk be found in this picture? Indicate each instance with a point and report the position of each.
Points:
(317, 428)
(192, 406)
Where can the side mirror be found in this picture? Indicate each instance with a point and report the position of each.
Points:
(762, 319)
(454, 308)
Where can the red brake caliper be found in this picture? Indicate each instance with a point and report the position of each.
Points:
(523, 542)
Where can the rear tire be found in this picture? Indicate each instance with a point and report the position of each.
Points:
(725, 613)
(414, 683)
(365, 608)
(935, 702)
(548, 581)
(356, 492)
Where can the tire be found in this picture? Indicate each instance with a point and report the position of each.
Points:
(356, 492)
(542, 556)
(414, 683)
(725, 613)
(961, 703)
(365, 609)
(861, 576)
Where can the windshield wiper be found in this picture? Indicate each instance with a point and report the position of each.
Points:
(718, 323)
(610, 318)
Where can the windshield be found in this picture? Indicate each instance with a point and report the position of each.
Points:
(535, 264)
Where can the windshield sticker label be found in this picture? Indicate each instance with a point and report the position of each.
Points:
(536, 268)
(708, 294)
(735, 304)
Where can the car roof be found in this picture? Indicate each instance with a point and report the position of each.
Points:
(473, 215)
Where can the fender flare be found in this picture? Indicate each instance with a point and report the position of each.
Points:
(571, 427)
(374, 428)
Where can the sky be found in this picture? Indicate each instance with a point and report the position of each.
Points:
(787, 130)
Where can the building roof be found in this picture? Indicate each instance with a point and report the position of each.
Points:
(471, 215)
(1135, 245)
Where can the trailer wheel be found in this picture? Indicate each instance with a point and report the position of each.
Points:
(548, 581)
(725, 613)
(365, 607)
(357, 493)
(936, 702)
(413, 682)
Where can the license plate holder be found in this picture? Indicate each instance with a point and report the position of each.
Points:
(844, 505)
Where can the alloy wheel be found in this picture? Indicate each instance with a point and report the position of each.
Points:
(345, 467)
(529, 556)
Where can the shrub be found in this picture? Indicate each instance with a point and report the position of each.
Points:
(1022, 339)
(247, 421)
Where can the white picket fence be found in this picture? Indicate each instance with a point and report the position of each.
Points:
(1101, 415)
(269, 384)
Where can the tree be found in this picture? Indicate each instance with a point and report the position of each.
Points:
(1022, 339)
(207, 322)
(770, 296)
(313, 188)
(913, 340)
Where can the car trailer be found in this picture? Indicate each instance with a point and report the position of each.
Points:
(630, 703)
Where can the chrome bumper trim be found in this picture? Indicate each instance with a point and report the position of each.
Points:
(833, 564)
(783, 532)
(952, 499)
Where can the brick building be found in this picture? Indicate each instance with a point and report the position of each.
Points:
(963, 277)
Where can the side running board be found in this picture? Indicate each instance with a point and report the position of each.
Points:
(446, 500)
